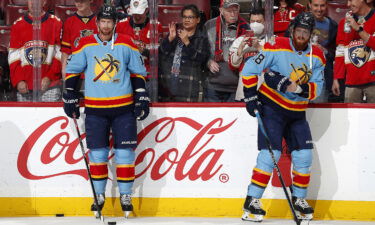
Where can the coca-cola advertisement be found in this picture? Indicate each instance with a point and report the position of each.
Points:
(183, 152)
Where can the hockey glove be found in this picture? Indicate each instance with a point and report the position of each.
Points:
(253, 104)
(141, 108)
(71, 103)
(277, 81)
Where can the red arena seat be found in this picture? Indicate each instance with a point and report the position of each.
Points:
(337, 10)
(64, 2)
(18, 2)
(169, 13)
(4, 36)
(63, 12)
(204, 6)
(13, 12)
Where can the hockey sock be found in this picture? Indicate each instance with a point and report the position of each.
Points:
(125, 169)
(99, 169)
(302, 160)
(262, 173)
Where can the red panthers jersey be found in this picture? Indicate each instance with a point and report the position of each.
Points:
(283, 16)
(24, 51)
(355, 59)
(75, 28)
(140, 34)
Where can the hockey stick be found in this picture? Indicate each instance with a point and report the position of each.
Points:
(263, 129)
(87, 168)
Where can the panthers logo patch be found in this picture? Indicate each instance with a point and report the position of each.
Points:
(359, 54)
(36, 52)
(83, 33)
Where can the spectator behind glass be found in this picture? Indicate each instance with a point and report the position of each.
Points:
(286, 12)
(324, 35)
(183, 55)
(246, 46)
(354, 60)
(139, 28)
(5, 86)
(79, 25)
(24, 54)
(222, 31)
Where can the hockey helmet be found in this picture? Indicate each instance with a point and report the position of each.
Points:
(305, 20)
(107, 12)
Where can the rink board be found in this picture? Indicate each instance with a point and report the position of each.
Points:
(191, 161)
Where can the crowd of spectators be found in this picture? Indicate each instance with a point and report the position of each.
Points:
(198, 60)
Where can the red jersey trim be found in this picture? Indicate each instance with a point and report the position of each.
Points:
(282, 101)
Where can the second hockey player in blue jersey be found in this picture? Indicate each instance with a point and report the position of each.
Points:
(293, 76)
(115, 97)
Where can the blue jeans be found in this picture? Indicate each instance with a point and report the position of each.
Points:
(219, 96)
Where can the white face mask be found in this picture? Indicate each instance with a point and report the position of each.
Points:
(258, 28)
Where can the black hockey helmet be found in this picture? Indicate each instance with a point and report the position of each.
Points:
(305, 20)
(107, 12)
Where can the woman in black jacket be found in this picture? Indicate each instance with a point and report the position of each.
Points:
(183, 56)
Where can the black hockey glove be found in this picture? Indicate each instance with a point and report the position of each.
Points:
(277, 81)
(141, 108)
(71, 103)
(253, 104)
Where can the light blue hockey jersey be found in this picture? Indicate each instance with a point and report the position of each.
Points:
(110, 74)
(301, 66)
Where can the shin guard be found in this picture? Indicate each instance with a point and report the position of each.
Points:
(262, 173)
(302, 160)
(125, 169)
(98, 158)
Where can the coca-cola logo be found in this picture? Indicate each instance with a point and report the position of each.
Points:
(196, 160)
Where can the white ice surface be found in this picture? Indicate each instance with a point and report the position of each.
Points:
(160, 221)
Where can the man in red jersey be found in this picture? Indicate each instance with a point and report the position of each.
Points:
(354, 60)
(139, 28)
(80, 24)
(27, 55)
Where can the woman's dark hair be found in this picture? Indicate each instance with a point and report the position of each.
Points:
(191, 7)
(196, 12)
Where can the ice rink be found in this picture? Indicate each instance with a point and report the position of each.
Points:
(159, 221)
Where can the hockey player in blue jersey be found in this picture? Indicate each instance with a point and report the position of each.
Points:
(115, 97)
(294, 75)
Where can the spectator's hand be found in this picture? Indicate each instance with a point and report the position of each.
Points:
(71, 103)
(141, 108)
(22, 87)
(352, 22)
(292, 87)
(336, 87)
(242, 46)
(213, 66)
(172, 31)
(183, 35)
(45, 83)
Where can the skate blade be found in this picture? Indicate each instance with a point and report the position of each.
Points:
(126, 214)
(96, 214)
(302, 216)
(250, 217)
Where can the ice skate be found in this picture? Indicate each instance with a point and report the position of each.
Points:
(252, 210)
(94, 208)
(126, 204)
(303, 210)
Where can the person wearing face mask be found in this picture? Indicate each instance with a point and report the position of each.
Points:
(294, 77)
(247, 46)
(222, 82)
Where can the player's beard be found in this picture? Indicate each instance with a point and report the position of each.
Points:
(300, 43)
(105, 32)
